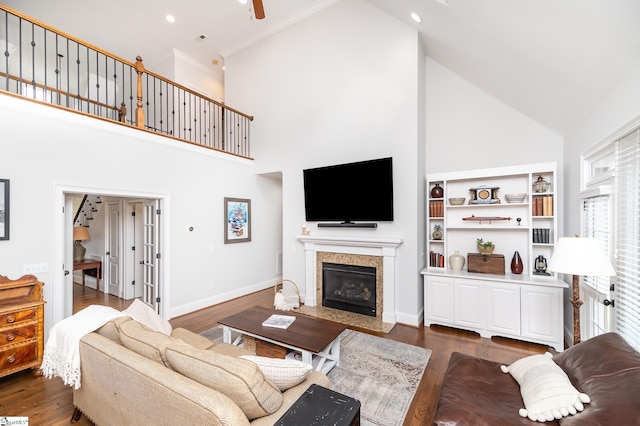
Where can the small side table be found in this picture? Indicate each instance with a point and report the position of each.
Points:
(319, 406)
(88, 264)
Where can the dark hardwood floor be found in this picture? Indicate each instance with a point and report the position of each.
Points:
(49, 402)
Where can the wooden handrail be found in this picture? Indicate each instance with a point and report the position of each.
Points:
(200, 95)
(60, 92)
(126, 62)
(232, 139)
(62, 33)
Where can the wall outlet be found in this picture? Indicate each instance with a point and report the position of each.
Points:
(35, 268)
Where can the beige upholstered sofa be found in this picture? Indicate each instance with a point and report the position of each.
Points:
(132, 375)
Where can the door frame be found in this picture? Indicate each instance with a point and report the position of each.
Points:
(61, 291)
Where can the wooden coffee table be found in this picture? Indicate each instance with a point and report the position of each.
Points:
(312, 337)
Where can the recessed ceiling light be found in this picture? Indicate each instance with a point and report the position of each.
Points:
(243, 1)
(171, 18)
(416, 17)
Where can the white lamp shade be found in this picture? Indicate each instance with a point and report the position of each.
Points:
(580, 256)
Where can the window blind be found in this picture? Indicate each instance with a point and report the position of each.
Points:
(596, 223)
(627, 234)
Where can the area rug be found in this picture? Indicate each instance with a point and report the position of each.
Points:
(382, 374)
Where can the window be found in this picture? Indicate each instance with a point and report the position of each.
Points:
(610, 212)
(627, 238)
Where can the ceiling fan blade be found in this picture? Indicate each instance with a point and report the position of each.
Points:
(258, 9)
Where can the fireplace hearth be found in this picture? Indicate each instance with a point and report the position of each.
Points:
(349, 287)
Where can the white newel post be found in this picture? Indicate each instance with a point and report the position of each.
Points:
(368, 246)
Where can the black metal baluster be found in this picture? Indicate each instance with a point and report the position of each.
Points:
(33, 61)
(46, 70)
(6, 50)
(131, 95)
(88, 80)
(162, 129)
(78, 100)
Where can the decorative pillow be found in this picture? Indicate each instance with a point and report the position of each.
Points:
(144, 314)
(239, 379)
(545, 388)
(144, 341)
(284, 373)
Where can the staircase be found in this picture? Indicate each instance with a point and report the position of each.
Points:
(88, 206)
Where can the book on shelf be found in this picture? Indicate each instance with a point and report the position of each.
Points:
(436, 260)
(541, 235)
(542, 205)
(436, 209)
(279, 321)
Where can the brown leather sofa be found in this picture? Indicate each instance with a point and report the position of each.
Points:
(607, 368)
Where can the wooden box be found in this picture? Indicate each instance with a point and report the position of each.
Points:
(269, 349)
(485, 264)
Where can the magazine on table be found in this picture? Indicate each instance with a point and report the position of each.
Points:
(279, 321)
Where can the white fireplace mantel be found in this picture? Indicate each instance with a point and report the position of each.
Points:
(368, 246)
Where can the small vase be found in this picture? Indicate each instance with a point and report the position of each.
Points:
(456, 261)
(437, 191)
(516, 263)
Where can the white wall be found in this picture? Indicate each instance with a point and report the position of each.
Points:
(615, 112)
(43, 148)
(339, 86)
(468, 129)
(184, 70)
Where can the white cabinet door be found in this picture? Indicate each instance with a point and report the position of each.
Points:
(438, 300)
(542, 314)
(503, 308)
(469, 303)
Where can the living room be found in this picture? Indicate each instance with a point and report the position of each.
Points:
(388, 98)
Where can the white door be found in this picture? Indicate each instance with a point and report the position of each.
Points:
(151, 256)
(133, 249)
(114, 232)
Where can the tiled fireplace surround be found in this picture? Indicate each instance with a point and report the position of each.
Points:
(360, 251)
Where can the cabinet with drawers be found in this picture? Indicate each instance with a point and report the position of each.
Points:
(21, 324)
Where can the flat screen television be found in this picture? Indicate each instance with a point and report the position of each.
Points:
(345, 193)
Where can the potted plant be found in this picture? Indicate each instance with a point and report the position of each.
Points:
(485, 247)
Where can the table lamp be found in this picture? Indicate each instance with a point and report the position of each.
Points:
(80, 233)
(579, 256)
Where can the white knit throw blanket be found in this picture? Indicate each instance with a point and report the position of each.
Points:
(62, 351)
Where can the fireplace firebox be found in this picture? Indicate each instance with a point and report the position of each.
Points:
(349, 287)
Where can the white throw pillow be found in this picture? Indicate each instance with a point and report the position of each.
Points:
(144, 314)
(546, 390)
(284, 373)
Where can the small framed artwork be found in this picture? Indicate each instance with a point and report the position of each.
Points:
(237, 220)
(4, 209)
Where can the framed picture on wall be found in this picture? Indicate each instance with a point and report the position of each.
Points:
(4, 209)
(237, 220)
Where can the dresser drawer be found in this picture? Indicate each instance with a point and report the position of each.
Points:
(8, 318)
(17, 356)
(17, 334)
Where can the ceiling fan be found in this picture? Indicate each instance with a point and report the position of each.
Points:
(258, 9)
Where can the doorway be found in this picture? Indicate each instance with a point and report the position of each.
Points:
(129, 233)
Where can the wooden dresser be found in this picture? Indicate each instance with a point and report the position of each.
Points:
(21, 324)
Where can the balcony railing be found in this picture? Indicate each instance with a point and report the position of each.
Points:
(49, 66)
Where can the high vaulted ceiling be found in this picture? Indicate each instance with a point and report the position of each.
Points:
(552, 60)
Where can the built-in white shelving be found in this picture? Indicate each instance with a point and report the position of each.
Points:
(527, 306)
